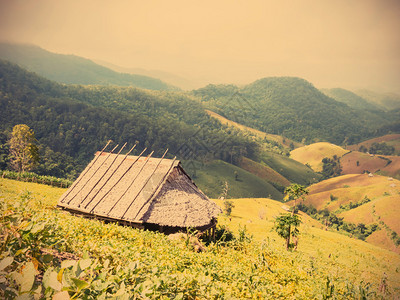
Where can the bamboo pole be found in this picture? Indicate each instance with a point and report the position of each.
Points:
(80, 204)
(126, 190)
(84, 173)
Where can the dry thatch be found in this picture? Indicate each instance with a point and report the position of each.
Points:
(139, 191)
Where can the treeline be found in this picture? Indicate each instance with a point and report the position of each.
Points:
(378, 148)
(72, 122)
(292, 107)
(330, 219)
(33, 177)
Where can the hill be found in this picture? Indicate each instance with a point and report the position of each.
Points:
(293, 108)
(73, 122)
(212, 177)
(387, 101)
(73, 69)
(267, 137)
(173, 79)
(359, 198)
(389, 139)
(350, 98)
(98, 260)
(358, 162)
(314, 153)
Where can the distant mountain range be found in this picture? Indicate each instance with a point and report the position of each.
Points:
(364, 99)
(71, 69)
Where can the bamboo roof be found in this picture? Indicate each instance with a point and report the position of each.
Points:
(139, 189)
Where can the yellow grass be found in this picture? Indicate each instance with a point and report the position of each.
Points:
(341, 254)
(384, 195)
(381, 239)
(285, 142)
(314, 153)
(361, 214)
(388, 208)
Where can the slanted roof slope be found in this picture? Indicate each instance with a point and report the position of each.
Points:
(139, 190)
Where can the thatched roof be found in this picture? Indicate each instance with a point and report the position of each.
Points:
(139, 190)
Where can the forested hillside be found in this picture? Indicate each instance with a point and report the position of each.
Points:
(387, 101)
(350, 98)
(65, 124)
(73, 69)
(294, 108)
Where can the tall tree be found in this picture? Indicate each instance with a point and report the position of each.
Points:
(286, 224)
(294, 192)
(24, 154)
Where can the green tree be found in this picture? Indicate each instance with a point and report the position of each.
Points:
(286, 227)
(286, 224)
(294, 192)
(24, 154)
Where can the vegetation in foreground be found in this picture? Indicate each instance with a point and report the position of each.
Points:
(47, 252)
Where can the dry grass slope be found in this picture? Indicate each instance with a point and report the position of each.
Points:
(314, 153)
(384, 206)
(358, 162)
(341, 254)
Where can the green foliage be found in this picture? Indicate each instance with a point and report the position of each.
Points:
(33, 177)
(24, 154)
(292, 107)
(381, 148)
(330, 219)
(228, 205)
(72, 122)
(331, 167)
(351, 205)
(286, 227)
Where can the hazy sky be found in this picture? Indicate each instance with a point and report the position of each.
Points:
(335, 43)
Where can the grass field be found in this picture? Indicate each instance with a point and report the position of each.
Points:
(314, 153)
(211, 177)
(289, 168)
(263, 171)
(117, 261)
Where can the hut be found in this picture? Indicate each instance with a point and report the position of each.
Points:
(144, 192)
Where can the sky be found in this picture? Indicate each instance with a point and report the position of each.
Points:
(351, 44)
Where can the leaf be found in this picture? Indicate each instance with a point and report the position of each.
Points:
(67, 263)
(47, 258)
(5, 262)
(37, 227)
(61, 296)
(50, 279)
(85, 263)
(27, 277)
(80, 284)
